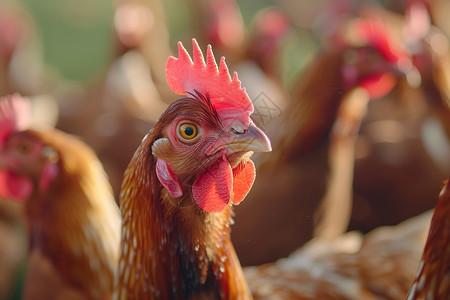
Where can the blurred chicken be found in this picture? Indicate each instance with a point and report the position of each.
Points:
(316, 142)
(178, 190)
(72, 218)
(379, 265)
(430, 48)
(21, 69)
(220, 23)
(432, 281)
(403, 140)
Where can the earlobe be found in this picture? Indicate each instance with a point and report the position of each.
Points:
(168, 178)
(49, 173)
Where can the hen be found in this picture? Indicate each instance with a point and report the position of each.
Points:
(432, 281)
(380, 265)
(73, 220)
(316, 140)
(179, 186)
(430, 48)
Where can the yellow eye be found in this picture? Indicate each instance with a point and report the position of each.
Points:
(187, 131)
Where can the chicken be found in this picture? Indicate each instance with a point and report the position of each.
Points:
(220, 23)
(316, 141)
(430, 48)
(380, 265)
(179, 186)
(432, 281)
(72, 219)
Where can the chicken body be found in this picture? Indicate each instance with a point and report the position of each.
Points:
(379, 265)
(73, 220)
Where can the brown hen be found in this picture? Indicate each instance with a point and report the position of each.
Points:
(178, 189)
(432, 281)
(316, 141)
(379, 265)
(73, 220)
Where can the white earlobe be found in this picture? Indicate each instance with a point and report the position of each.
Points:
(168, 178)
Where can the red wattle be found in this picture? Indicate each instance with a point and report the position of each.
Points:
(379, 85)
(212, 189)
(243, 178)
(15, 187)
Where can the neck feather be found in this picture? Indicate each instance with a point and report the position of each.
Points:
(169, 251)
(76, 224)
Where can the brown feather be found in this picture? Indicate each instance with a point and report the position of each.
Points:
(433, 276)
(172, 249)
(380, 265)
(76, 223)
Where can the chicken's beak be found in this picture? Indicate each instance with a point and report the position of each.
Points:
(252, 139)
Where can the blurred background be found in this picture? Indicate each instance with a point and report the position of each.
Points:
(354, 95)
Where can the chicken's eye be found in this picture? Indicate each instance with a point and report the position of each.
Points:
(24, 148)
(187, 132)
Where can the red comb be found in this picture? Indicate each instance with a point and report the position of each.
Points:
(376, 33)
(185, 76)
(14, 115)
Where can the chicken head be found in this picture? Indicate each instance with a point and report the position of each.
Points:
(208, 137)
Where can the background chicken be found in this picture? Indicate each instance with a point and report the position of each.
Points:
(430, 48)
(177, 191)
(434, 268)
(332, 145)
(324, 115)
(379, 265)
(72, 219)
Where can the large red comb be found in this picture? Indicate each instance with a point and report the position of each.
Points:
(14, 115)
(185, 76)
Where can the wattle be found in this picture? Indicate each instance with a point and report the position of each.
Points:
(15, 187)
(243, 178)
(379, 85)
(212, 190)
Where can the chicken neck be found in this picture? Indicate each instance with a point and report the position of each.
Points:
(170, 251)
